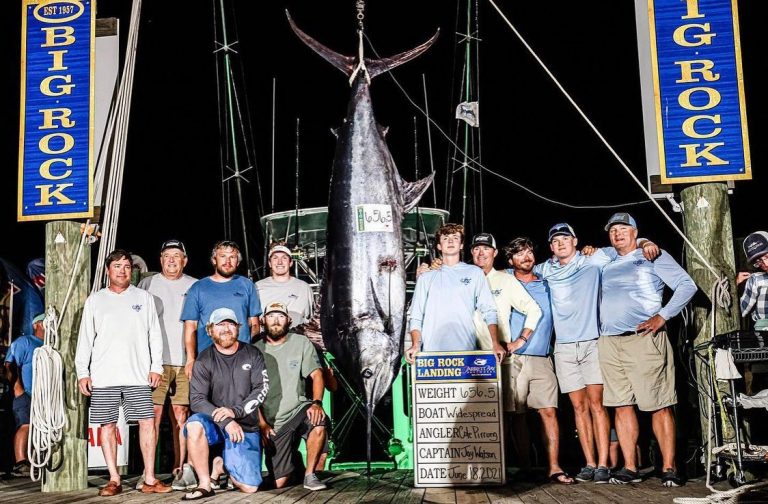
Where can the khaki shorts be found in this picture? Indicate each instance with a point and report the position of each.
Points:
(529, 382)
(638, 370)
(173, 383)
(577, 365)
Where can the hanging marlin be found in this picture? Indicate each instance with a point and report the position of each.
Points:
(363, 288)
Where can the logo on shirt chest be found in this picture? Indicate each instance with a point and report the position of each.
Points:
(465, 280)
(136, 308)
(496, 292)
(238, 294)
(639, 262)
(293, 296)
(246, 367)
(293, 364)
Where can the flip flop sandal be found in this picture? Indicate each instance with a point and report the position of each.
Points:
(555, 478)
(198, 493)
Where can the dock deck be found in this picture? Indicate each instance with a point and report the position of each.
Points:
(388, 487)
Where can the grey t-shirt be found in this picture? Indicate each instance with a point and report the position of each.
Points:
(239, 381)
(288, 366)
(295, 293)
(169, 300)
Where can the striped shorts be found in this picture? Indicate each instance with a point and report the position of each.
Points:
(136, 401)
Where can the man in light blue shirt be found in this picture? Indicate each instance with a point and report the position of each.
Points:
(636, 357)
(535, 385)
(444, 302)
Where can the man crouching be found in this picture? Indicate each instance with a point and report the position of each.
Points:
(287, 414)
(229, 383)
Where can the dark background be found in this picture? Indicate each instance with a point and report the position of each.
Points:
(529, 131)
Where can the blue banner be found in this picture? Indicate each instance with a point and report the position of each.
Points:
(455, 366)
(56, 126)
(699, 93)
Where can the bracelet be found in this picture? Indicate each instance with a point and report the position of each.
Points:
(318, 402)
(523, 338)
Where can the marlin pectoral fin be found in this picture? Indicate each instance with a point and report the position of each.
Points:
(343, 63)
(379, 66)
(413, 191)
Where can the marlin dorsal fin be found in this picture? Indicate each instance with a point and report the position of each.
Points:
(413, 191)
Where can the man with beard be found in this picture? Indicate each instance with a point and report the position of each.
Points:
(281, 287)
(287, 415)
(755, 297)
(229, 383)
(119, 360)
(222, 289)
(535, 384)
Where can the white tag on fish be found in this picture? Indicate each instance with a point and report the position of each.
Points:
(372, 218)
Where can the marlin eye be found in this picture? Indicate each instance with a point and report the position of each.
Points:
(367, 373)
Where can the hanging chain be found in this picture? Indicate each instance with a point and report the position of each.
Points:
(360, 6)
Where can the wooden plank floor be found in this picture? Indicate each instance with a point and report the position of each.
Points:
(388, 487)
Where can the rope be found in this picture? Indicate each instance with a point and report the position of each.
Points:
(119, 117)
(485, 168)
(47, 416)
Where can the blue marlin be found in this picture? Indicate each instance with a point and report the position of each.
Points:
(363, 288)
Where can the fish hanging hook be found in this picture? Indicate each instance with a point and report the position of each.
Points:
(360, 6)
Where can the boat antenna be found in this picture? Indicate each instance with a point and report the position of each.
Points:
(274, 95)
(429, 138)
(296, 223)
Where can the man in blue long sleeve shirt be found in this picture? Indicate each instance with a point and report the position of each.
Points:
(444, 302)
(636, 358)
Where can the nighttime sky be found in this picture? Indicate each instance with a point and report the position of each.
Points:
(529, 131)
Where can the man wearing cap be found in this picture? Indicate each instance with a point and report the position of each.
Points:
(635, 355)
(287, 414)
(18, 372)
(119, 359)
(169, 288)
(574, 283)
(225, 289)
(281, 287)
(535, 384)
(229, 383)
(755, 297)
(441, 317)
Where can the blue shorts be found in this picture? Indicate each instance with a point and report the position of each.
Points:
(242, 460)
(21, 407)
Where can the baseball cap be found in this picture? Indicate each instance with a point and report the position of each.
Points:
(173, 244)
(561, 229)
(221, 314)
(279, 248)
(38, 318)
(756, 245)
(486, 239)
(621, 218)
(276, 307)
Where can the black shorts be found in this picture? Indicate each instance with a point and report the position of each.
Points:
(21, 407)
(281, 452)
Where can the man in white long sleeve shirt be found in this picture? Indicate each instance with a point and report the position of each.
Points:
(119, 360)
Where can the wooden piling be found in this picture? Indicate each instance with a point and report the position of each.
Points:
(70, 461)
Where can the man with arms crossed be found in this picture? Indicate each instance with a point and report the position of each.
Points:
(119, 359)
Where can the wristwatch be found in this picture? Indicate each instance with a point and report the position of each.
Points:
(318, 402)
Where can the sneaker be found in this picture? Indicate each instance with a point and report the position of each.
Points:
(624, 476)
(587, 473)
(312, 482)
(602, 475)
(670, 479)
(184, 479)
(140, 483)
(21, 469)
